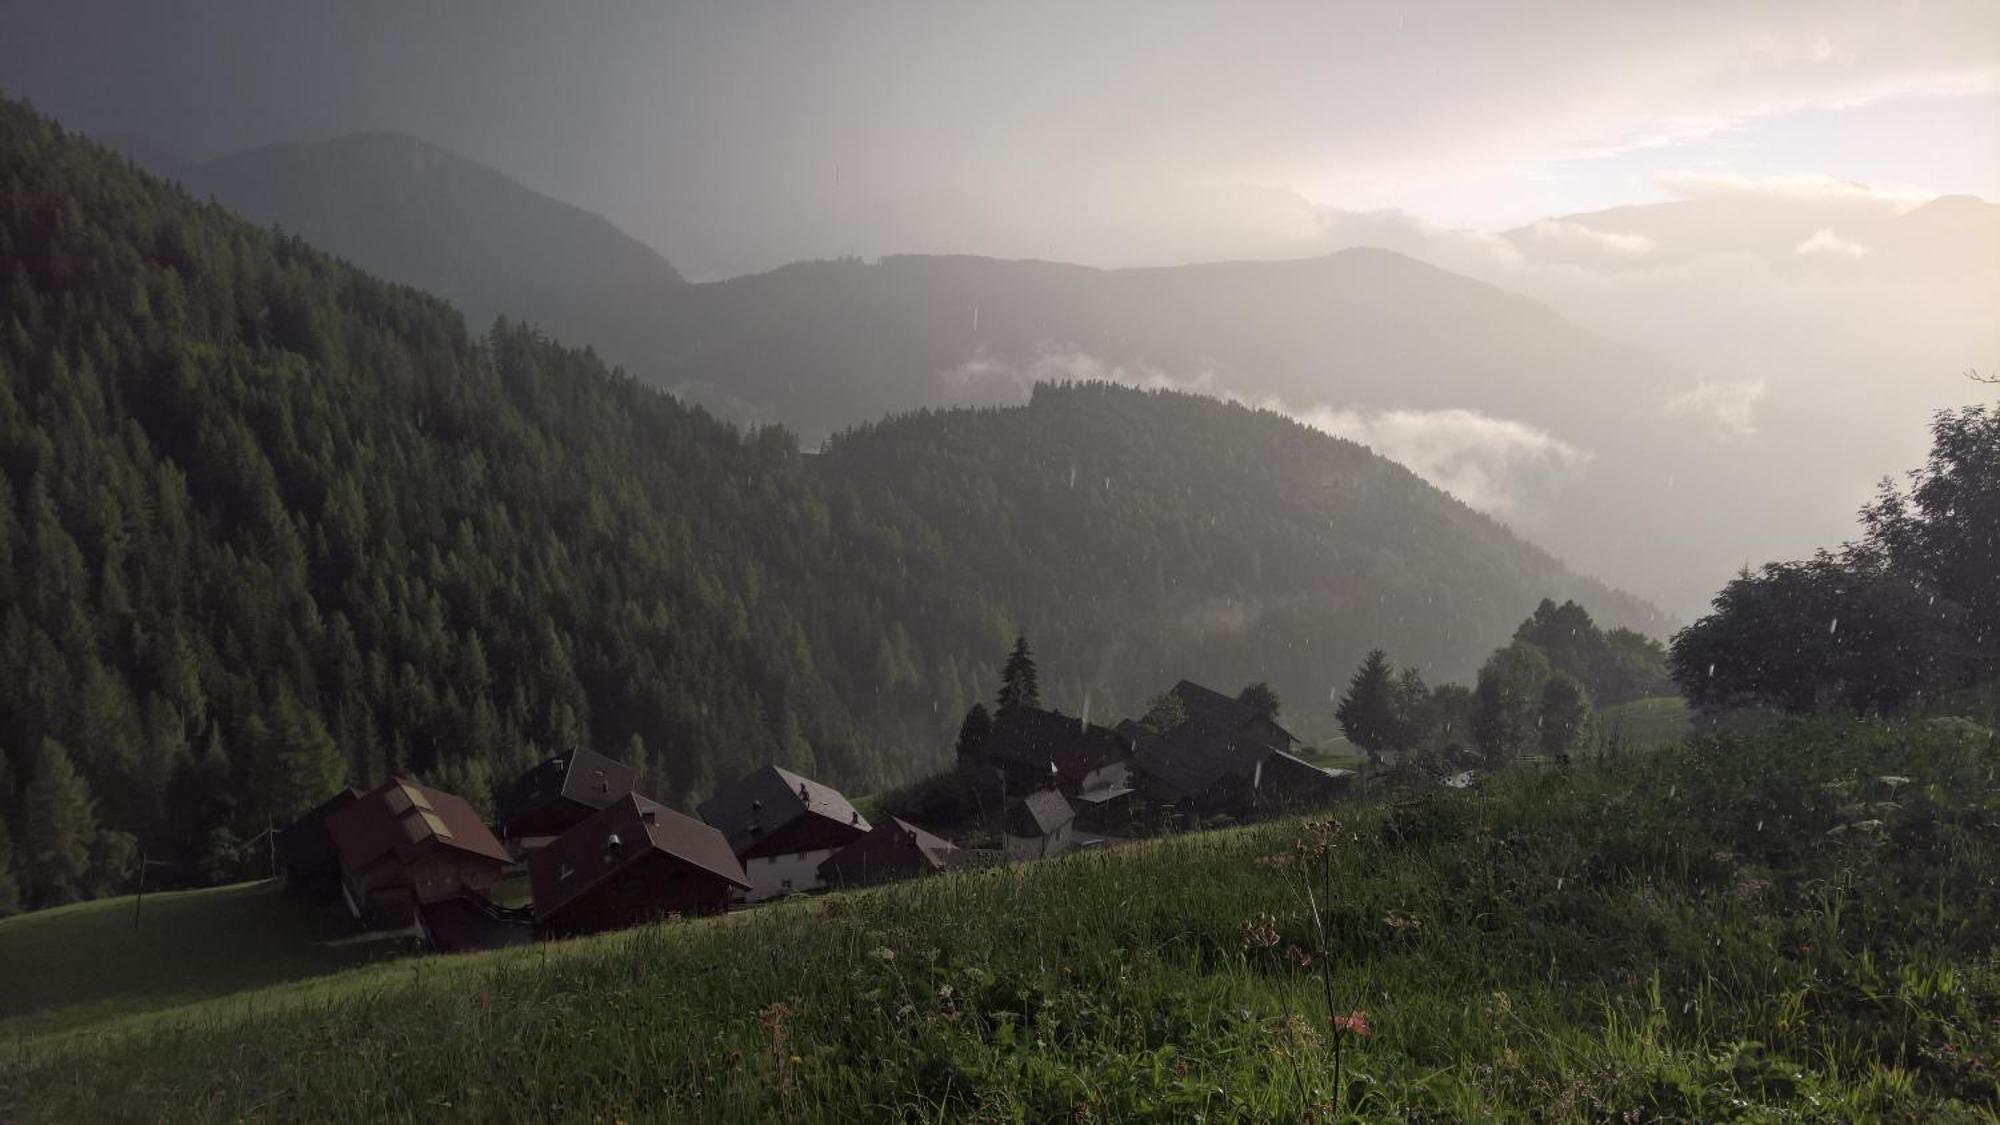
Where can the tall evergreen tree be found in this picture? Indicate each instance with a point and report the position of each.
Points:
(972, 734)
(1367, 709)
(1019, 686)
(10, 883)
(58, 825)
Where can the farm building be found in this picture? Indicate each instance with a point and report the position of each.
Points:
(306, 853)
(1039, 826)
(401, 844)
(1232, 716)
(1033, 749)
(559, 794)
(1200, 771)
(893, 850)
(782, 826)
(630, 862)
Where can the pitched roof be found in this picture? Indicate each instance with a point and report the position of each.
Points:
(761, 802)
(1193, 756)
(584, 776)
(893, 849)
(1040, 814)
(935, 848)
(614, 838)
(1031, 737)
(401, 818)
(1218, 710)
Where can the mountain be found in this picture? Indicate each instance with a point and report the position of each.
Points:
(821, 345)
(270, 525)
(415, 213)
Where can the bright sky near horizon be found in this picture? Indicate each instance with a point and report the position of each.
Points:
(736, 137)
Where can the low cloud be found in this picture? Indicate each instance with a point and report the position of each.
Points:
(1723, 185)
(1624, 245)
(1730, 408)
(1482, 460)
(1826, 244)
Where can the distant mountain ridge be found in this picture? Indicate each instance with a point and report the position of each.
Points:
(416, 213)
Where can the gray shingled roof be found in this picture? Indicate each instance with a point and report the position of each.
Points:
(765, 800)
(1041, 814)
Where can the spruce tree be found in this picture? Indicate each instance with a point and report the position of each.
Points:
(10, 884)
(972, 734)
(1018, 684)
(1367, 709)
(58, 822)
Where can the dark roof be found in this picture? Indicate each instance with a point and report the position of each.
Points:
(404, 819)
(584, 776)
(304, 844)
(757, 805)
(1039, 814)
(1031, 737)
(893, 849)
(617, 836)
(1221, 711)
(1194, 756)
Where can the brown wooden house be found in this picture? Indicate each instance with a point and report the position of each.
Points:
(401, 844)
(306, 855)
(561, 793)
(633, 861)
(891, 851)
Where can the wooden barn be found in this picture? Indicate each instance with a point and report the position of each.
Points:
(401, 844)
(633, 861)
(891, 851)
(561, 793)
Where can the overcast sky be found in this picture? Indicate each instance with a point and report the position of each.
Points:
(739, 136)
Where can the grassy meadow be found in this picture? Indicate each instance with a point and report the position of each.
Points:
(1798, 924)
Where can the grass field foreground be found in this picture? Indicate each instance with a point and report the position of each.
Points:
(1798, 924)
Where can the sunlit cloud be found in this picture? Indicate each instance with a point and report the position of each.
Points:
(1826, 244)
(1624, 245)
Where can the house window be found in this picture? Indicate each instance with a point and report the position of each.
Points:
(785, 886)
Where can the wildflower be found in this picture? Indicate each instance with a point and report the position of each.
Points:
(1400, 922)
(883, 954)
(796, 1060)
(1260, 932)
(1298, 957)
(1354, 1023)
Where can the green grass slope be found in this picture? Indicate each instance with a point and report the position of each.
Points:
(79, 965)
(1796, 926)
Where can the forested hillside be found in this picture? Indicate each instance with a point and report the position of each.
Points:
(270, 525)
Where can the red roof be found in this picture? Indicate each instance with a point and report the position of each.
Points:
(404, 819)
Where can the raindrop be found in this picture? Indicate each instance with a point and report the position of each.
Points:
(1835, 624)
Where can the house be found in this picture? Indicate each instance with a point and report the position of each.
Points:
(893, 850)
(1110, 803)
(402, 844)
(1030, 749)
(305, 851)
(561, 793)
(1232, 716)
(1200, 771)
(1039, 826)
(782, 826)
(632, 861)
